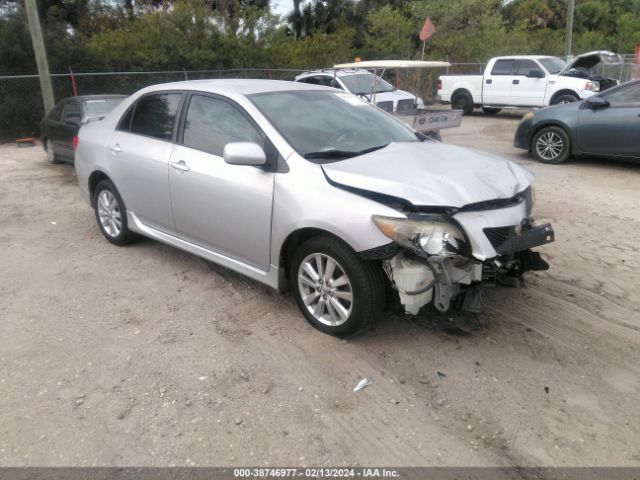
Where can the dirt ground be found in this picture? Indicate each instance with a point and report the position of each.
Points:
(146, 356)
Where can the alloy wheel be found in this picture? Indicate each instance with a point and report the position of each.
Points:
(549, 146)
(109, 213)
(325, 289)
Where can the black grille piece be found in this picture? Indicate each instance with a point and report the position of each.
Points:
(498, 235)
(386, 106)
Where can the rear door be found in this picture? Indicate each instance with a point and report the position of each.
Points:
(613, 130)
(69, 127)
(221, 207)
(140, 149)
(496, 89)
(527, 90)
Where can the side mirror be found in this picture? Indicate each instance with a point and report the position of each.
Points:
(595, 103)
(244, 153)
(536, 74)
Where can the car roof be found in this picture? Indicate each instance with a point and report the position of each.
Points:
(230, 86)
(338, 72)
(524, 57)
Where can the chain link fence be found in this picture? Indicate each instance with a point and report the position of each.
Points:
(21, 108)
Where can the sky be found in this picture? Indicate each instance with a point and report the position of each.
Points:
(281, 7)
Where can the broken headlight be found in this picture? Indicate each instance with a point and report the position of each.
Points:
(431, 235)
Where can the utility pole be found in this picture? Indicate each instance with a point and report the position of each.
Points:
(40, 53)
(567, 49)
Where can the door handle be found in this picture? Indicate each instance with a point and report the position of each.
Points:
(488, 81)
(181, 166)
(516, 82)
(115, 148)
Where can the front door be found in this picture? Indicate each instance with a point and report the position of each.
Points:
(612, 130)
(528, 91)
(221, 207)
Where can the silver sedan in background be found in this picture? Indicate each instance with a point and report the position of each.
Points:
(310, 189)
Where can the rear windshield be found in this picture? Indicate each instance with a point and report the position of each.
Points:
(101, 106)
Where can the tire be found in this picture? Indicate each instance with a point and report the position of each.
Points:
(111, 214)
(551, 145)
(566, 98)
(491, 111)
(51, 154)
(463, 100)
(362, 280)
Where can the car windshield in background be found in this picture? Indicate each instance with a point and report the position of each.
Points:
(553, 64)
(362, 83)
(101, 106)
(330, 126)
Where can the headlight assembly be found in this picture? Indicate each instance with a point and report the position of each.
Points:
(431, 236)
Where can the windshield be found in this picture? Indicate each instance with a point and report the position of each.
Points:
(330, 125)
(553, 64)
(362, 83)
(101, 106)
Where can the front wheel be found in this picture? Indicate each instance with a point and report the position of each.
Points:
(337, 292)
(551, 145)
(563, 99)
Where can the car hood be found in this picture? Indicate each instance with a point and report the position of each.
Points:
(431, 174)
(591, 59)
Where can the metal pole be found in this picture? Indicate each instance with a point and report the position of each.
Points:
(567, 49)
(40, 53)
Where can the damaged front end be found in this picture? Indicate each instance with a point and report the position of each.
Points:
(441, 258)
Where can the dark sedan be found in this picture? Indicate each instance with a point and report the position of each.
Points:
(59, 128)
(605, 125)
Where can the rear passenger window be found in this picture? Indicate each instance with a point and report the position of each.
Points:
(212, 123)
(155, 115)
(503, 67)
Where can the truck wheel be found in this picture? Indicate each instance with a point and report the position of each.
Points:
(491, 111)
(566, 98)
(551, 145)
(338, 292)
(463, 101)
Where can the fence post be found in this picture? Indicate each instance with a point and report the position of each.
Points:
(40, 53)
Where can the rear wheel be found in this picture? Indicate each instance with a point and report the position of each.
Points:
(51, 154)
(111, 214)
(551, 145)
(491, 111)
(463, 100)
(337, 292)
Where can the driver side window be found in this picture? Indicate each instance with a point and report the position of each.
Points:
(212, 123)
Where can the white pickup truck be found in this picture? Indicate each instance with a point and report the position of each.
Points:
(524, 81)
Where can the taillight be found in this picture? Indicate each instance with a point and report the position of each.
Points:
(439, 84)
(75, 142)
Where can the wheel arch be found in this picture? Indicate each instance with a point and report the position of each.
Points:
(96, 177)
(290, 245)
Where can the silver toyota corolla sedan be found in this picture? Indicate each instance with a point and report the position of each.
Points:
(310, 189)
